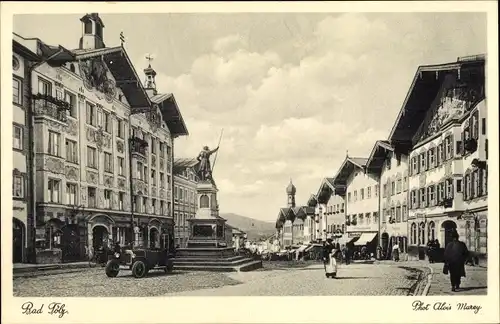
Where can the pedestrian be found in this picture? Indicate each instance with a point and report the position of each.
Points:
(455, 256)
(347, 255)
(395, 252)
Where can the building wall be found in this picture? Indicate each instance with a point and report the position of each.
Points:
(448, 177)
(362, 202)
(298, 232)
(394, 184)
(102, 135)
(287, 233)
(185, 204)
(22, 228)
(335, 214)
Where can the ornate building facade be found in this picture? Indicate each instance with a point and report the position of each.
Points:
(362, 204)
(392, 168)
(332, 213)
(22, 150)
(185, 198)
(103, 150)
(443, 126)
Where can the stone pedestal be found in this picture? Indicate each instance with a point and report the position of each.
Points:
(208, 247)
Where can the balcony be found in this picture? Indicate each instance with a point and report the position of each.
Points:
(48, 106)
(138, 146)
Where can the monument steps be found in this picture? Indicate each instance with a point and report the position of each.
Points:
(248, 266)
(202, 259)
(206, 252)
(220, 262)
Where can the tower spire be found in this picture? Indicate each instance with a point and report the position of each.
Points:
(150, 82)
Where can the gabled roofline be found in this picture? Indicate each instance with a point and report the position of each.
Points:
(377, 144)
(343, 165)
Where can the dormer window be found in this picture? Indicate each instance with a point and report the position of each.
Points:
(88, 27)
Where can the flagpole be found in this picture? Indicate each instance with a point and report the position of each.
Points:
(215, 158)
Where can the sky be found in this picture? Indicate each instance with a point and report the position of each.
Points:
(293, 92)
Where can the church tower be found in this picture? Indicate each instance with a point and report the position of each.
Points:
(92, 28)
(150, 82)
(290, 191)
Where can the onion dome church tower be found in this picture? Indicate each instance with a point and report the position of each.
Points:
(290, 191)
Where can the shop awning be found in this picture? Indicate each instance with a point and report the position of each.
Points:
(365, 238)
(310, 247)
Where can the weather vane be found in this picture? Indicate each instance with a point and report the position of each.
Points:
(149, 58)
(122, 38)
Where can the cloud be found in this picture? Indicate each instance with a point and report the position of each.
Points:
(296, 118)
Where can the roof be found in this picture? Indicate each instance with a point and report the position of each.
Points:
(299, 212)
(92, 16)
(424, 88)
(171, 113)
(34, 49)
(347, 167)
(326, 189)
(127, 79)
(378, 155)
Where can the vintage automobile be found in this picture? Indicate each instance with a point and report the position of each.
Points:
(140, 261)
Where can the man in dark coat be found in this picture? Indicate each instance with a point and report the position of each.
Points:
(455, 255)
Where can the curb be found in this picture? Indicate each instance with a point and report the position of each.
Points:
(429, 281)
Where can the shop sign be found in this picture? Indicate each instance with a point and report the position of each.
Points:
(353, 234)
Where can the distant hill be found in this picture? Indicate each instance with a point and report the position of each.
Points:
(254, 228)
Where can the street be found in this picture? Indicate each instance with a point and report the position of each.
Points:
(354, 280)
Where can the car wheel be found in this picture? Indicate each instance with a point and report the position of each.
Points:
(139, 269)
(112, 268)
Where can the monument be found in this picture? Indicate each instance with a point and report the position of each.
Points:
(209, 243)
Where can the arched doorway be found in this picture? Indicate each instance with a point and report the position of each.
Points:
(448, 227)
(70, 243)
(154, 238)
(17, 240)
(99, 237)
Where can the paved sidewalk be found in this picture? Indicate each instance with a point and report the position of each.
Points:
(475, 282)
(29, 267)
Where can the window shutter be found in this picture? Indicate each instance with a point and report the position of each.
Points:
(480, 183)
(452, 144)
(476, 125)
(411, 166)
(462, 147)
(452, 194)
(466, 187)
(438, 154)
(417, 199)
(418, 163)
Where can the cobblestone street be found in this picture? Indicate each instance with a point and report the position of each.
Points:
(355, 280)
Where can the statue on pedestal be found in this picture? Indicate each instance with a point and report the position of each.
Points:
(204, 169)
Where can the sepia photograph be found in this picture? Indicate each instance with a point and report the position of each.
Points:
(260, 154)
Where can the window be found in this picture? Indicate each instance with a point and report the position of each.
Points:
(388, 163)
(431, 195)
(17, 137)
(153, 205)
(398, 159)
(355, 195)
(18, 186)
(17, 91)
(414, 165)
(176, 193)
(107, 199)
(139, 173)
(414, 199)
(459, 185)
(169, 181)
(71, 194)
(91, 157)
(404, 215)
(121, 129)
(413, 233)
(475, 184)
(162, 180)
(135, 203)
(398, 214)
(421, 234)
(440, 192)
(44, 87)
(399, 184)
(431, 231)
(458, 147)
(54, 191)
(393, 188)
(88, 27)
(342, 208)
(106, 120)
(405, 183)
(153, 145)
(91, 193)
(376, 190)
(349, 197)
(362, 194)
(91, 114)
(162, 207)
(146, 174)
(422, 162)
(54, 142)
(483, 126)
(423, 200)
(384, 191)
(121, 200)
(393, 213)
(432, 157)
(448, 147)
(71, 99)
(369, 192)
(153, 177)
(121, 166)
(108, 162)
(71, 151)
